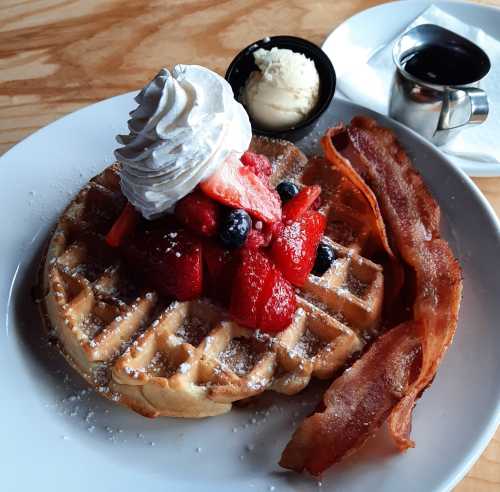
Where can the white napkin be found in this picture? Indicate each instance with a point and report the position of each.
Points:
(369, 84)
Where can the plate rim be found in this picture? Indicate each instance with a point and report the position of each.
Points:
(484, 436)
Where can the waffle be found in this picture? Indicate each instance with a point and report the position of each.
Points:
(188, 359)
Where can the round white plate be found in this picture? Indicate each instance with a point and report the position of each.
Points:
(55, 434)
(357, 38)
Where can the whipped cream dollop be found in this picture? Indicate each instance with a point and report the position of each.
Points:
(186, 124)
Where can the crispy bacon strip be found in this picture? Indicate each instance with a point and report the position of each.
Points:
(412, 218)
(356, 403)
(344, 166)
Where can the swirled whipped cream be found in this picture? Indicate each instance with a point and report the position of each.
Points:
(185, 126)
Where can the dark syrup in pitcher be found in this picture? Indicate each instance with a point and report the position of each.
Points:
(444, 65)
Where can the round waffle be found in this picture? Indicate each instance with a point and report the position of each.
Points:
(188, 359)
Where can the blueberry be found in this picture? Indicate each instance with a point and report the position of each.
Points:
(234, 228)
(286, 190)
(325, 255)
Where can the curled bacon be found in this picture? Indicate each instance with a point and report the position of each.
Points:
(344, 166)
(356, 403)
(412, 218)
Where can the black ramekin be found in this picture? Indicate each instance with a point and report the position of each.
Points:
(243, 65)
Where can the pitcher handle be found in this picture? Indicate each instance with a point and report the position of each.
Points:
(479, 107)
(456, 101)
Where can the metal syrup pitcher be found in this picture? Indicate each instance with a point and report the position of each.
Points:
(435, 90)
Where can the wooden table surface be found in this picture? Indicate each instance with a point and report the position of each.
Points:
(59, 55)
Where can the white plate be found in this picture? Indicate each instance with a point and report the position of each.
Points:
(357, 38)
(55, 436)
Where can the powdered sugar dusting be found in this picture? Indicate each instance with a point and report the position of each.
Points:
(193, 330)
(161, 366)
(307, 346)
(356, 286)
(239, 355)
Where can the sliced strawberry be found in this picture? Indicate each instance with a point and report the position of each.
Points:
(261, 297)
(294, 250)
(256, 239)
(220, 267)
(278, 303)
(272, 230)
(168, 260)
(302, 201)
(248, 283)
(259, 164)
(124, 226)
(237, 186)
(317, 203)
(198, 213)
(262, 234)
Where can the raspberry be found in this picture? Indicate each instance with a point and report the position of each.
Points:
(199, 213)
(259, 164)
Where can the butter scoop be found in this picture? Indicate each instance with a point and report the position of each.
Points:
(284, 90)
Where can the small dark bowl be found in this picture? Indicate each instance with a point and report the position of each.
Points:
(244, 64)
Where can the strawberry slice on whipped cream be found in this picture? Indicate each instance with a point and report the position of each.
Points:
(236, 185)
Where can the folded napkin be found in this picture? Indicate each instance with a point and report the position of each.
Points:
(369, 82)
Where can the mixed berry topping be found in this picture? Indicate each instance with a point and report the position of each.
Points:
(124, 226)
(325, 256)
(294, 250)
(287, 190)
(302, 202)
(198, 213)
(220, 267)
(234, 229)
(259, 164)
(261, 297)
(169, 259)
(234, 239)
(237, 186)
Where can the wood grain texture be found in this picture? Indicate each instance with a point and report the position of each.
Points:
(59, 55)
